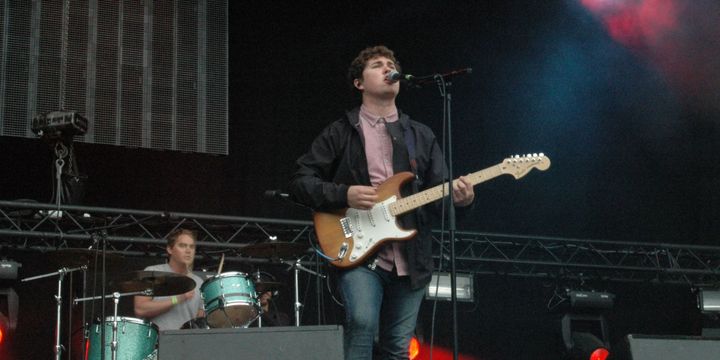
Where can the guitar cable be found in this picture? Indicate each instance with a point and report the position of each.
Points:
(319, 251)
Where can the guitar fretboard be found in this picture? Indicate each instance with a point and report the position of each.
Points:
(438, 192)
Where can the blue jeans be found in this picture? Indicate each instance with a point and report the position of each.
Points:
(378, 300)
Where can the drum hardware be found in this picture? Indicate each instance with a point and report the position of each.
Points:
(58, 300)
(146, 283)
(262, 286)
(298, 266)
(160, 283)
(196, 323)
(75, 257)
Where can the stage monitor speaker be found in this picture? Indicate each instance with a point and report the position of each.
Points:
(297, 343)
(645, 347)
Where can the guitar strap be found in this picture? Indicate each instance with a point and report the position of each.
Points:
(409, 136)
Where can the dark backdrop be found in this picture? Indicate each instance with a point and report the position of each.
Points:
(629, 120)
(633, 148)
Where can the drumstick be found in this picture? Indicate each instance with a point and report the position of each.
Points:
(222, 260)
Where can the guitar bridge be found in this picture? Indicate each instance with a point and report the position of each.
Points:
(346, 227)
(343, 250)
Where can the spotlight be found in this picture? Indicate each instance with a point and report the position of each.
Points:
(582, 337)
(439, 287)
(586, 346)
(708, 301)
(584, 329)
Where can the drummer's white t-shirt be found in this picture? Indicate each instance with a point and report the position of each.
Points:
(180, 313)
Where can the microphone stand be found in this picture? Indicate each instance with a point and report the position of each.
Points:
(298, 305)
(445, 93)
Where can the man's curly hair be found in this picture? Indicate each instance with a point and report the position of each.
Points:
(358, 64)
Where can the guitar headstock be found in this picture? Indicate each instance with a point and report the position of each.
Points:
(518, 166)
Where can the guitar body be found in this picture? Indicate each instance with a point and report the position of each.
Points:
(350, 236)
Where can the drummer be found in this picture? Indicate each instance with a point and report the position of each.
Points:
(171, 312)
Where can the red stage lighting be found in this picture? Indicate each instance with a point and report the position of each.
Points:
(4, 328)
(414, 348)
(599, 354)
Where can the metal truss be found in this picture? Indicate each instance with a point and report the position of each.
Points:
(585, 260)
(46, 227)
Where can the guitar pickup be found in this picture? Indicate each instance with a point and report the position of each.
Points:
(346, 227)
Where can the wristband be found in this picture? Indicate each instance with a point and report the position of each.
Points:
(174, 300)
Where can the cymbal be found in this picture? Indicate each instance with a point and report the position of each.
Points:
(79, 257)
(276, 249)
(161, 283)
(263, 286)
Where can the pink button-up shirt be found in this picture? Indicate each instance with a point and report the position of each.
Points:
(379, 154)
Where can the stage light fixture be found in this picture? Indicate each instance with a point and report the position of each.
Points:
(709, 300)
(439, 287)
(584, 330)
(600, 354)
(586, 346)
(591, 299)
(9, 269)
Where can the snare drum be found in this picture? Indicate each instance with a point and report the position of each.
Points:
(230, 300)
(136, 339)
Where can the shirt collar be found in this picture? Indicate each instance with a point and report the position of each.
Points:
(373, 119)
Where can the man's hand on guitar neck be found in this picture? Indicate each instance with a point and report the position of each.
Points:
(463, 193)
(361, 197)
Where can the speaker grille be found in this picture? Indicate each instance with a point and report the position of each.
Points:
(149, 74)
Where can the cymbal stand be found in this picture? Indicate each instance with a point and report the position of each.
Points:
(58, 301)
(259, 319)
(298, 266)
(116, 300)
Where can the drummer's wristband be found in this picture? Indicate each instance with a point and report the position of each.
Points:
(174, 300)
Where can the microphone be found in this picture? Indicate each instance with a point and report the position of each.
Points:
(276, 194)
(420, 80)
(396, 76)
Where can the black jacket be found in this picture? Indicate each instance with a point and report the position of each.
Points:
(336, 160)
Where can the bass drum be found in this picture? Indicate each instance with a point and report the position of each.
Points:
(136, 339)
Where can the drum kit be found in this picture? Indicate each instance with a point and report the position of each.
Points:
(230, 300)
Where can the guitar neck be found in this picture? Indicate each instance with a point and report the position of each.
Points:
(415, 201)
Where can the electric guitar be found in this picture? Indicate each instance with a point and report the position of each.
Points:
(348, 236)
